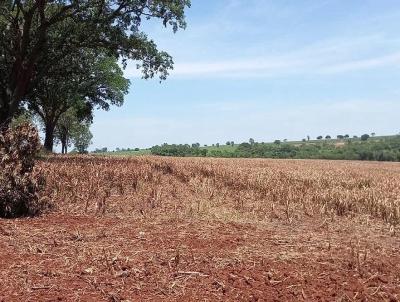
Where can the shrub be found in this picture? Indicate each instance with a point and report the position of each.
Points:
(19, 182)
(364, 137)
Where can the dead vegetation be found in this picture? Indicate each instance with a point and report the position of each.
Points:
(246, 189)
(19, 183)
(173, 229)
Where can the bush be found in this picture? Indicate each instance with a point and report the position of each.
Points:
(364, 137)
(19, 182)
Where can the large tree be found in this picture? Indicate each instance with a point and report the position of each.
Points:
(28, 26)
(87, 81)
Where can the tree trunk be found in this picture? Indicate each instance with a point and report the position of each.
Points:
(63, 147)
(63, 139)
(5, 117)
(9, 105)
(49, 137)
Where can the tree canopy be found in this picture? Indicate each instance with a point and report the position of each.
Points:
(39, 33)
(89, 81)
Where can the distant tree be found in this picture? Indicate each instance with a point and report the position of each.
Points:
(346, 136)
(66, 126)
(232, 143)
(304, 140)
(319, 137)
(251, 141)
(364, 137)
(355, 136)
(328, 137)
(308, 137)
(136, 149)
(285, 140)
(217, 145)
(82, 137)
(117, 149)
(373, 134)
(104, 150)
(277, 142)
(205, 145)
(228, 143)
(340, 136)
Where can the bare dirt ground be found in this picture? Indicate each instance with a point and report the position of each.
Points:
(175, 248)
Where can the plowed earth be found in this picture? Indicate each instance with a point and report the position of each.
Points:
(150, 253)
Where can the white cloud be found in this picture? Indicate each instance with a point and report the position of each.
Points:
(255, 38)
(328, 57)
(282, 66)
(392, 60)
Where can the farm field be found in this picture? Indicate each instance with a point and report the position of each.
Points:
(202, 229)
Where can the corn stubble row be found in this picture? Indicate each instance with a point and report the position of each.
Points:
(222, 188)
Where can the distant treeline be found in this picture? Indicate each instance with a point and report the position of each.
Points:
(383, 149)
(179, 150)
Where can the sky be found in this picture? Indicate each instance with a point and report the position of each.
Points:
(265, 69)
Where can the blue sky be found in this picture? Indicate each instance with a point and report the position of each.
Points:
(266, 69)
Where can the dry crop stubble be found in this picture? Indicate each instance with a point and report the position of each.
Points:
(243, 188)
(185, 229)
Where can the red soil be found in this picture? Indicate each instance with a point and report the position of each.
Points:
(78, 258)
(157, 229)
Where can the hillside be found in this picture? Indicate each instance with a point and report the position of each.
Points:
(384, 148)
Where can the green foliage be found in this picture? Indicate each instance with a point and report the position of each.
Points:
(178, 150)
(364, 137)
(37, 34)
(383, 149)
(82, 137)
(24, 118)
(93, 81)
(72, 127)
